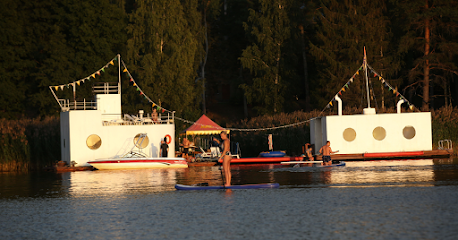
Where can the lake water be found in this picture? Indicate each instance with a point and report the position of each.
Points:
(409, 199)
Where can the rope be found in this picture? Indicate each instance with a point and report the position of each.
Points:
(250, 129)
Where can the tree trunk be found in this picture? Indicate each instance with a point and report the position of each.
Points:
(306, 80)
(426, 67)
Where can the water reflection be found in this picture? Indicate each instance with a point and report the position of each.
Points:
(425, 172)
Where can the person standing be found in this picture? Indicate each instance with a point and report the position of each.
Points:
(226, 156)
(326, 151)
(164, 151)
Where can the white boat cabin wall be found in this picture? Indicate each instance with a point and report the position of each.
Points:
(373, 133)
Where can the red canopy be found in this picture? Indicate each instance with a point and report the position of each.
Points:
(204, 126)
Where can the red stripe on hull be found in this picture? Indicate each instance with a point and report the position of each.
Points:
(264, 159)
(393, 154)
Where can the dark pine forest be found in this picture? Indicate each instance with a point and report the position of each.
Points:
(248, 57)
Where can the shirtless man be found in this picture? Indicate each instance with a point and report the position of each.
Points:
(154, 115)
(185, 148)
(227, 157)
(326, 151)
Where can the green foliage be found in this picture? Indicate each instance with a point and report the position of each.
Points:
(162, 52)
(269, 28)
(343, 29)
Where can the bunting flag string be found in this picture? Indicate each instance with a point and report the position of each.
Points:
(380, 78)
(391, 88)
(93, 75)
(134, 84)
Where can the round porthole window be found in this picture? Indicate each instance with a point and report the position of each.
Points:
(408, 132)
(349, 134)
(379, 133)
(93, 141)
(141, 140)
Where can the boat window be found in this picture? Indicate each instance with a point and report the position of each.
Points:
(93, 141)
(349, 134)
(379, 133)
(141, 140)
(408, 132)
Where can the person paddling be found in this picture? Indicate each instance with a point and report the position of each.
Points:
(326, 151)
(226, 156)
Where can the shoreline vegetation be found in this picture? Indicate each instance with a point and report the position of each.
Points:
(32, 144)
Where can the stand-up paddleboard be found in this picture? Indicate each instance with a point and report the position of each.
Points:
(247, 186)
(338, 164)
(301, 162)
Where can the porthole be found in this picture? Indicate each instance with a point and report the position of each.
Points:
(349, 134)
(141, 140)
(379, 133)
(408, 132)
(93, 141)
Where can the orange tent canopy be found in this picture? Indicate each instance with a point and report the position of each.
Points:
(204, 126)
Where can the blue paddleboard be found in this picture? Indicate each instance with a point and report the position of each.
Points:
(247, 186)
(340, 164)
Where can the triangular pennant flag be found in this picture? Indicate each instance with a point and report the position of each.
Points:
(98, 72)
(68, 85)
(411, 107)
(343, 89)
(134, 84)
(83, 80)
(389, 88)
(103, 69)
(383, 80)
(141, 93)
(163, 110)
(394, 91)
(330, 103)
(375, 74)
(138, 89)
(125, 70)
(357, 73)
(111, 62)
(327, 106)
(346, 85)
(154, 104)
(131, 80)
(61, 87)
(351, 79)
(93, 75)
(340, 92)
(379, 78)
(158, 108)
(78, 82)
(56, 87)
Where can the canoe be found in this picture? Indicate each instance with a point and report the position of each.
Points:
(247, 186)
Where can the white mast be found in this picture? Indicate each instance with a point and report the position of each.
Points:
(367, 81)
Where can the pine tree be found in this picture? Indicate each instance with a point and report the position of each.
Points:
(428, 43)
(163, 53)
(269, 32)
(343, 29)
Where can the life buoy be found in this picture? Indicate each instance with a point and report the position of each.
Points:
(168, 139)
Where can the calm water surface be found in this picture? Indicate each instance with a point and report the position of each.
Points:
(414, 199)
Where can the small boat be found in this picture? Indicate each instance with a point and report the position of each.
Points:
(246, 186)
(273, 154)
(138, 160)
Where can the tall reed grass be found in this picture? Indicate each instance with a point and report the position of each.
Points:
(29, 144)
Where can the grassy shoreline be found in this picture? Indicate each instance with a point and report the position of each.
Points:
(32, 144)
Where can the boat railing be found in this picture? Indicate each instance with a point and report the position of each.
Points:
(67, 105)
(129, 119)
(106, 88)
(445, 144)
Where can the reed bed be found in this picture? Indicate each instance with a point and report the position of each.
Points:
(29, 144)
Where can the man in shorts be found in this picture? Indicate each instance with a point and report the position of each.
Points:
(326, 151)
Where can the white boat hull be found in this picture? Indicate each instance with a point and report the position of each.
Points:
(138, 163)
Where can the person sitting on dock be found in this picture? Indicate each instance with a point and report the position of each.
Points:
(326, 151)
(308, 152)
